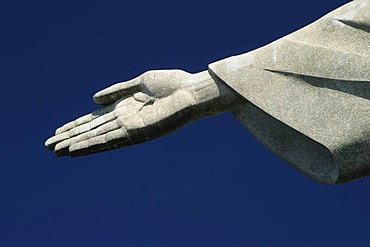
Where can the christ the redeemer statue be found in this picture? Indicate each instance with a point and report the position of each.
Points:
(305, 96)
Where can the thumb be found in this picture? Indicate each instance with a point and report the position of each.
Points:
(113, 93)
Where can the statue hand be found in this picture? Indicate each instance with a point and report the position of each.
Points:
(147, 107)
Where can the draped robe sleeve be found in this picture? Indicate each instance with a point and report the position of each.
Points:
(307, 95)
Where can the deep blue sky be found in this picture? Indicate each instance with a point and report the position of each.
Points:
(209, 184)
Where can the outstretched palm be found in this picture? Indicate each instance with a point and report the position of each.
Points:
(149, 106)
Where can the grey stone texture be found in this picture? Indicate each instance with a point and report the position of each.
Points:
(305, 96)
(149, 106)
(308, 94)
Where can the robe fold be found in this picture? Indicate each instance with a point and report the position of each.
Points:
(307, 95)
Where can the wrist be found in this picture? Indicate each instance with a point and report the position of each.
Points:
(212, 96)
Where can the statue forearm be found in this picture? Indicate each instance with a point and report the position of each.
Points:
(212, 96)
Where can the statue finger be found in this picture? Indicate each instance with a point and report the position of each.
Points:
(84, 119)
(52, 141)
(61, 148)
(111, 140)
(92, 125)
(117, 91)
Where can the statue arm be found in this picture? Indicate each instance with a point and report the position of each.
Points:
(149, 106)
